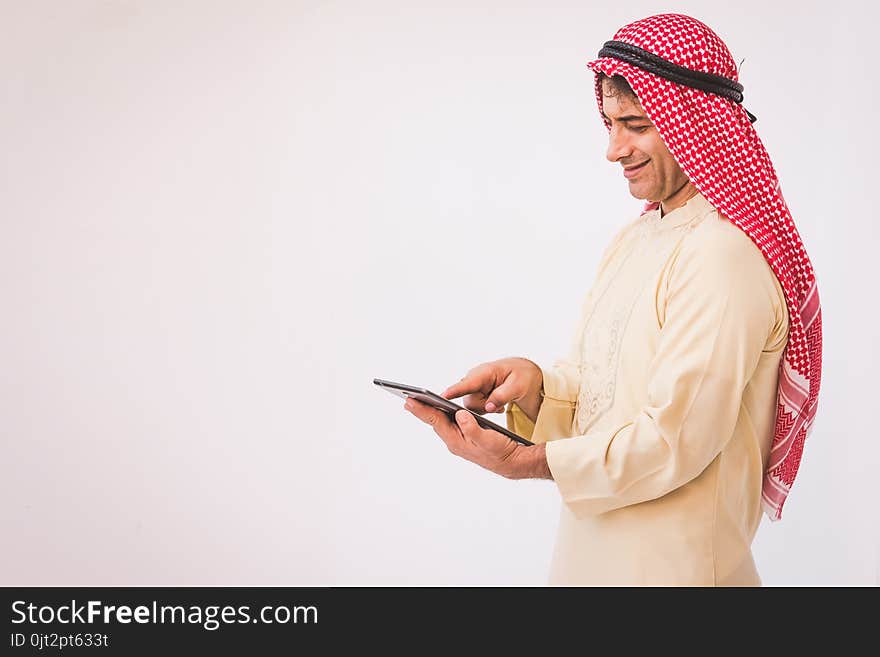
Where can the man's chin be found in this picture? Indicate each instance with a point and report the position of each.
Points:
(639, 192)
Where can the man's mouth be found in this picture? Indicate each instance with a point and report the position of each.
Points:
(632, 172)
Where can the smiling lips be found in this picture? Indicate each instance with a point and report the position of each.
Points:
(632, 172)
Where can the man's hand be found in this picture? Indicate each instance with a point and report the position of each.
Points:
(488, 449)
(489, 386)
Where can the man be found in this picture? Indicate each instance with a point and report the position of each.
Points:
(683, 405)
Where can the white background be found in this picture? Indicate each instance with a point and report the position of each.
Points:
(221, 220)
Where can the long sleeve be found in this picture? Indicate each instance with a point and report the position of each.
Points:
(716, 309)
(557, 406)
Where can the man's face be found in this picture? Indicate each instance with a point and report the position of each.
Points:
(652, 172)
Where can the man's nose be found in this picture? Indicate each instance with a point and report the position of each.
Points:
(618, 146)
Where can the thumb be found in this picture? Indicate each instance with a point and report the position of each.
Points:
(500, 396)
(464, 420)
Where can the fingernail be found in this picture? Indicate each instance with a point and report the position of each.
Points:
(463, 417)
(408, 405)
(490, 407)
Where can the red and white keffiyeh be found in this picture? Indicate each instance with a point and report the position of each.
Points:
(715, 144)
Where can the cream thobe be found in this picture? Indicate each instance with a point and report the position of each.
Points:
(659, 421)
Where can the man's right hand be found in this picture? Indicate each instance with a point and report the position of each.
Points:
(488, 387)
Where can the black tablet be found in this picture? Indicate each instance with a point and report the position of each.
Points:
(441, 403)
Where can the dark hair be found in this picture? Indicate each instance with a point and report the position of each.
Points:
(618, 85)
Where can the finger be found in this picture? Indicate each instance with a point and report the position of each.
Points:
(475, 402)
(463, 387)
(427, 414)
(501, 395)
(474, 433)
(484, 439)
(468, 426)
(475, 381)
(441, 423)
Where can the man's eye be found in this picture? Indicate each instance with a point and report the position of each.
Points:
(639, 128)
